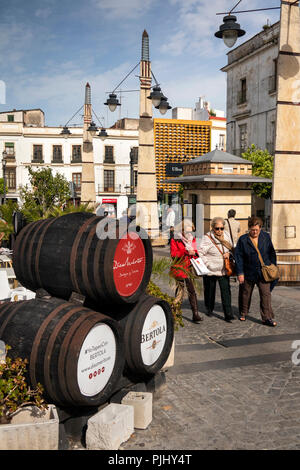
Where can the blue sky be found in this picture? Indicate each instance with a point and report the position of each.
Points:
(49, 49)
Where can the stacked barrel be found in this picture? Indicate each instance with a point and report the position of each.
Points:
(91, 321)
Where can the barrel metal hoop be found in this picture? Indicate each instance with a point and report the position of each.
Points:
(84, 263)
(37, 339)
(29, 228)
(11, 314)
(4, 309)
(29, 253)
(39, 246)
(50, 345)
(68, 366)
(73, 255)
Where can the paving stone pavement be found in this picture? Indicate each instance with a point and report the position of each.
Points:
(233, 386)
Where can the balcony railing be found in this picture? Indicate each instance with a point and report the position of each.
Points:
(109, 189)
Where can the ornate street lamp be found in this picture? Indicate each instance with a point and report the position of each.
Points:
(92, 127)
(163, 105)
(65, 131)
(156, 96)
(230, 30)
(102, 134)
(112, 102)
(4, 155)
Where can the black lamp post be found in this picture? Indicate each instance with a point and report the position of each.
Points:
(156, 96)
(92, 127)
(112, 102)
(4, 155)
(230, 30)
(65, 131)
(103, 134)
(163, 105)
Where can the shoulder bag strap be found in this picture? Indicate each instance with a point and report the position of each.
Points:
(258, 252)
(230, 232)
(215, 244)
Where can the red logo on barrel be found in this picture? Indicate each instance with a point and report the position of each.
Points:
(129, 264)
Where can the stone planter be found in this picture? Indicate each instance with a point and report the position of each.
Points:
(31, 429)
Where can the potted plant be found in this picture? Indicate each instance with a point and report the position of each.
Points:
(26, 421)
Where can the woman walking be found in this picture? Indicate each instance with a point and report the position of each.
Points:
(214, 248)
(182, 248)
(249, 249)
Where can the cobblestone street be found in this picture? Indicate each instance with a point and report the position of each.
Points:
(233, 385)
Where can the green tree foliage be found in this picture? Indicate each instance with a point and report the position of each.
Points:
(6, 212)
(14, 391)
(46, 192)
(2, 186)
(263, 166)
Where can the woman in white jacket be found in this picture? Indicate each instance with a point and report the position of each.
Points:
(214, 247)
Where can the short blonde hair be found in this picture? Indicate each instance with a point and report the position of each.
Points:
(215, 220)
(184, 226)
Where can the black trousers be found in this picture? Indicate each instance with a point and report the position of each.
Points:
(209, 284)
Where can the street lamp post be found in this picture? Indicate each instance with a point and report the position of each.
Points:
(146, 198)
(4, 155)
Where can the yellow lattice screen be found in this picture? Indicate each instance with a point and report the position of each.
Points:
(178, 141)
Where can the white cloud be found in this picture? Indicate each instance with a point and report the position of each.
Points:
(197, 22)
(43, 13)
(117, 9)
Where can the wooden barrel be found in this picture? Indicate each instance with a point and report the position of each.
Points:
(148, 332)
(65, 254)
(75, 353)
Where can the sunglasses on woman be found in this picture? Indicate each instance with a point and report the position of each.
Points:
(219, 228)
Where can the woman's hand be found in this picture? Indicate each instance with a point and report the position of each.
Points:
(226, 255)
(241, 278)
(191, 252)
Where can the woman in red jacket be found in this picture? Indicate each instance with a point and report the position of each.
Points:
(183, 247)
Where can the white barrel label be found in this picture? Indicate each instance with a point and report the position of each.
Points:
(96, 360)
(153, 335)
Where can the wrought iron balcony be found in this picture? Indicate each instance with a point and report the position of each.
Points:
(109, 188)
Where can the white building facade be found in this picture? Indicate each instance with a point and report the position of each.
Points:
(251, 92)
(28, 142)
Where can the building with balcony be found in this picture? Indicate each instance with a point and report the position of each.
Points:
(28, 142)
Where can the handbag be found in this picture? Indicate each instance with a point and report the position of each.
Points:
(199, 267)
(270, 273)
(229, 263)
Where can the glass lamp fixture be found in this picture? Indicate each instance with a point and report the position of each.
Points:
(92, 127)
(155, 96)
(112, 102)
(65, 131)
(229, 31)
(103, 134)
(164, 105)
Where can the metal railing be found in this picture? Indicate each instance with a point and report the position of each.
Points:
(109, 189)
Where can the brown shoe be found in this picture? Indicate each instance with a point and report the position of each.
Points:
(197, 318)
